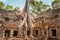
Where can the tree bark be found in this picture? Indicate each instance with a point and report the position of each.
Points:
(27, 21)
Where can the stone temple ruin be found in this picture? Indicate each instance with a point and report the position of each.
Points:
(15, 25)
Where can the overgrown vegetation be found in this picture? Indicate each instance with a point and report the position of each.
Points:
(8, 7)
(38, 6)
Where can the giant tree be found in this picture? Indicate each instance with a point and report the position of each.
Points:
(26, 23)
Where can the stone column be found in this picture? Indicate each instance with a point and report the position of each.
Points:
(11, 33)
(45, 39)
(3, 33)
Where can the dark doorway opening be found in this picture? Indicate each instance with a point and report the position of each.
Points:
(15, 33)
(36, 33)
(7, 33)
(45, 32)
(6, 19)
(28, 32)
(53, 32)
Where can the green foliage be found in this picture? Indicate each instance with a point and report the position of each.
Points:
(56, 4)
(1, 5)
(44, 6)
(37, 6)
(17, 8)
(9, 7)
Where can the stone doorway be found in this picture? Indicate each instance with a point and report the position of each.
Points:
(15, 33)
(7, 33)
(53, 32)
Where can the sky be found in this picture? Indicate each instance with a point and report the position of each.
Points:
(21, 3)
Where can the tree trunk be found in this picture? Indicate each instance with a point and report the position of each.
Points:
(27, 21)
